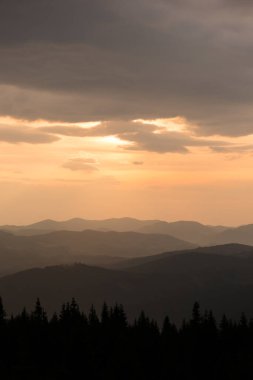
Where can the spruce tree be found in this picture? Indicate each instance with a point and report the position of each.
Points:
(2, 312)
(39, 314)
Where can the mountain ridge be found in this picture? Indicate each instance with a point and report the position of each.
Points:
(191, 231)
(61, 247)
(221, 282)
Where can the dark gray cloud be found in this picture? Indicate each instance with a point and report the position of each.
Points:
(22, 134)
(103, 60)
(233, 149)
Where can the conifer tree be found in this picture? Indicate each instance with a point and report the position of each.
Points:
(196, 316)
(243, 323)
(93, 318)
(169, 330)
(105, 316)
(224, 324)
(39, 314)
(2, 312)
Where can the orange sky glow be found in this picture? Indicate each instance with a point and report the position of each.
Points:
(99, 176)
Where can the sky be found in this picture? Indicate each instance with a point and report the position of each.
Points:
(126, 108)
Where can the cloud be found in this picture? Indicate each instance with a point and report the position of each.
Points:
(233, 149)
(82, 164)
(117, 60)
(138, 162)
(23, 134)
(165, 142)
(140, 136)
(136, 135)
(107, 128)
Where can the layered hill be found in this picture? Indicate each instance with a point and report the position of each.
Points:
(241, 234)
(219, 278)
(194, 232)
(79, 224)
(144, 263)
(90, 247)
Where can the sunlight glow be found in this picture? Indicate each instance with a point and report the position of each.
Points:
(174, 124)
(113, 140)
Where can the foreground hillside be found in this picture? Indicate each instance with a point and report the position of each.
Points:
(90, 247)
(219, 278)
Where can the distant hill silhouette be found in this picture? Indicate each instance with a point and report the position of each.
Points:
(78, 224)
(218, 277)
(190, 231)
(90, 247)
(242, 235)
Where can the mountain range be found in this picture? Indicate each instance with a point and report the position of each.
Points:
(89, 247)
(189, 231)
(157, 266)
(218, 277)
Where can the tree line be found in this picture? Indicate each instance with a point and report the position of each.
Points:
(105, 345)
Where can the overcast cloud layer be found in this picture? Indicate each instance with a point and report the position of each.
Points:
(82, 60)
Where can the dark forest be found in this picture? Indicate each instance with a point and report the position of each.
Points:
(104, 345)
